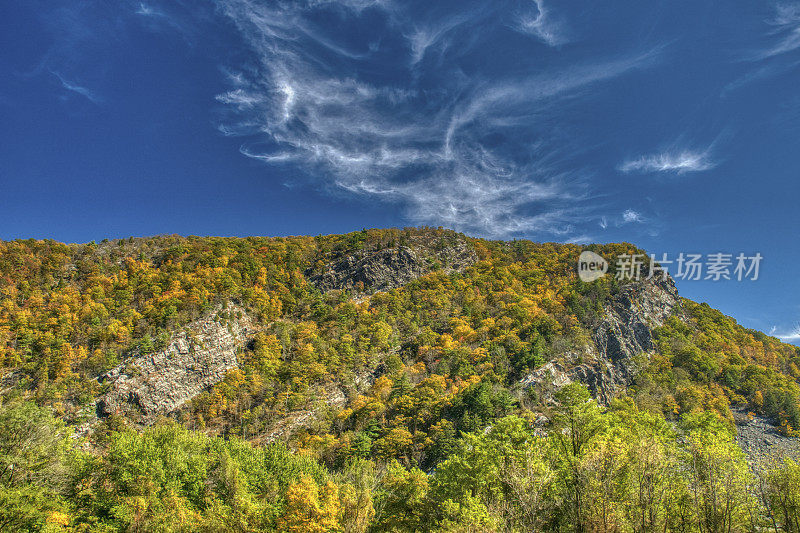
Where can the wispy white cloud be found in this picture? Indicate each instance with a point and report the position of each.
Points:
(785, 30)
(147, 10)
(77, 89)
(679, 162)
(540, 23)
(630, 216)
(170, 17)
(581, 239)
(420, 39)
(461, 154)
(771, 56)
(786, 336)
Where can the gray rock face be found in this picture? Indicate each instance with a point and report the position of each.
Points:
(196, 358)
(378, 270)
(760, 440)
(625, 332)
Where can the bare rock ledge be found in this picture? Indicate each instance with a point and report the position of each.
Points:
(197, 357)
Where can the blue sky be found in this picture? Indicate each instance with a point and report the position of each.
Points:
(672, 125)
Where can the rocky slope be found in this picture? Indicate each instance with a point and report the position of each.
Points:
(378, 270)
(606, 365)
(760, 439)
(197, 357)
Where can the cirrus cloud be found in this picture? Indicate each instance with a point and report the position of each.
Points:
(468, 151)
(792, 335)
(678, 162)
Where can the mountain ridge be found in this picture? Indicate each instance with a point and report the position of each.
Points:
(405, 351)
(353, 266)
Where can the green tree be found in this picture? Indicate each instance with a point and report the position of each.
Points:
(577, 423)
(720, 478)
(400, 500)
(781, 489)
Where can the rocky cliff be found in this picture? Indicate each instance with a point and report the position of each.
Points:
(606, 364)
(197, 357)
(376, 270)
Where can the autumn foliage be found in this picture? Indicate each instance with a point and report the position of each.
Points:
(434, 432)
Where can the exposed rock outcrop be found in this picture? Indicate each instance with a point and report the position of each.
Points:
(378, 270)
(327, 397)
(625, 332)
(330, 397)
(9, 380)
(199, 356)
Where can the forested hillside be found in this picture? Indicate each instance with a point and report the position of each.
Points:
(383, 380)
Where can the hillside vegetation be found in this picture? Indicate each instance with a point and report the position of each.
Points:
(386, 386)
